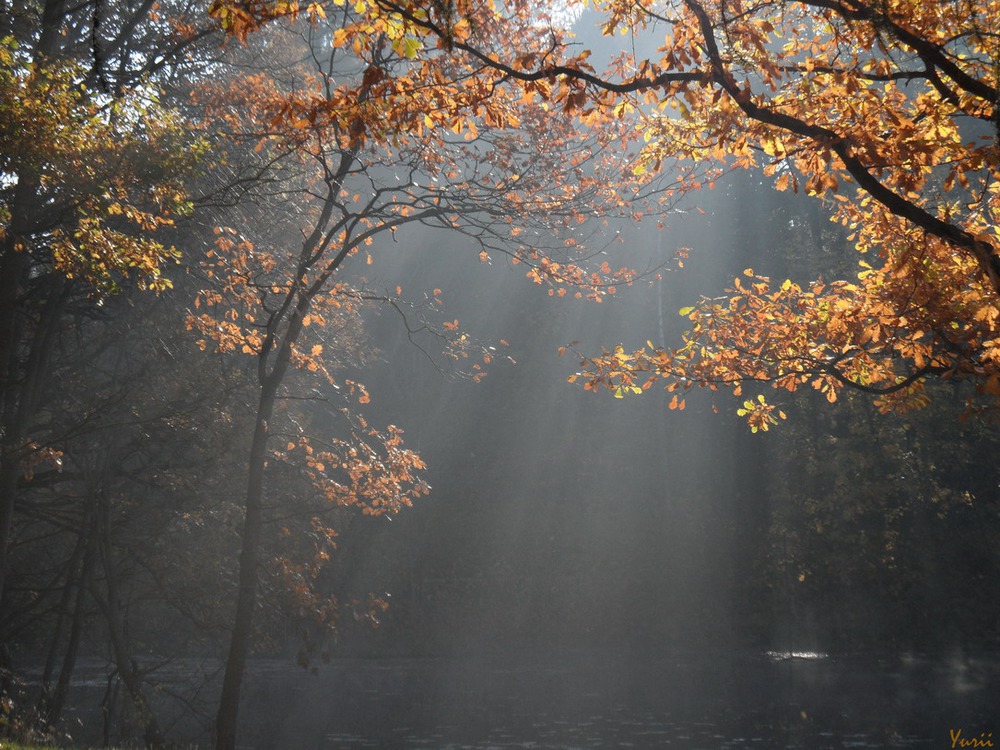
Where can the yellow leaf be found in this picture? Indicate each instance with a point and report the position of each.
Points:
(773, 147)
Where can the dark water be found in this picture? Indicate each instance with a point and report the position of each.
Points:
(717, 702)
(683, 702)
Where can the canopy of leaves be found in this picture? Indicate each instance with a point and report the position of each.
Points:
(888, 111)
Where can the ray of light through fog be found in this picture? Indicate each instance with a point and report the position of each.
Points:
(586, 517)
(595, 572)
(582, 574)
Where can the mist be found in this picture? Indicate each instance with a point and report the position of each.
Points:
(306, 441)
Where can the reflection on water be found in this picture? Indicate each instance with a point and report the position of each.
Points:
(783, 655)
(790, 700)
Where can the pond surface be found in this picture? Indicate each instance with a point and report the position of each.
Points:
(684, 701)
(807, 701)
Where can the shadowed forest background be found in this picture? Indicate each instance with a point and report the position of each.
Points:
(204, 412)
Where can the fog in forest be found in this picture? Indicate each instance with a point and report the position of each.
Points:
(585, 570)
(578, 551)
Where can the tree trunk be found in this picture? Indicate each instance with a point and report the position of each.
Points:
(253, 523)
(58, 696)
(112, 606)
(13, 274)
(13, 268)
(276, 351)
(76, 575)
(246, 601)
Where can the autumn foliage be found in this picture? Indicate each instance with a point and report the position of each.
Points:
(888, 113)
(303, 137)
(885, 111)
(375, 127)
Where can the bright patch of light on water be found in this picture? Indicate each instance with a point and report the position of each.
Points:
(785, 655)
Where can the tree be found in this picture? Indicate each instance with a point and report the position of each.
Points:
(93, 165)
(382, 134)
(888, 111)
(120, 551)
(872, 522)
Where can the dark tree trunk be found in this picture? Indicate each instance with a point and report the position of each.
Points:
(76, 577)
(253, 523)
(239, 647)
(277, 354)
(13, 270)
(128, 670)
(14, 267)
(58, 696)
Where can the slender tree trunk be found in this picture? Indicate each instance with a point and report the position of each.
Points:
(13, 268)
(112, 606)
(24, 357)
(74, 579)
(13, 274)
(8, 488)
(58, 696)
(253, 521)
(276, 352)
(246, 601)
